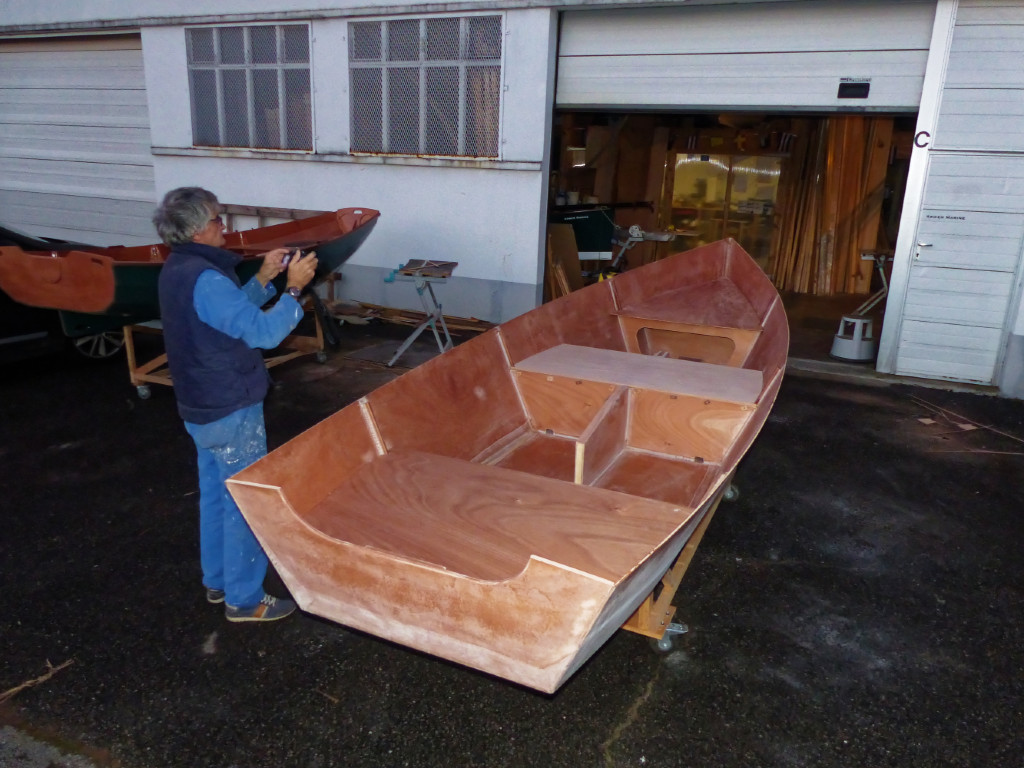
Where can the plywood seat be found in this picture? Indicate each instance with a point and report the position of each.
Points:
(486, 522)
(662, 374)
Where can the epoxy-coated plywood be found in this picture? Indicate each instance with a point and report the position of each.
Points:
(561, 404)
(506, 628)
(701, 380)
(684, 426)
(457, 404)
(659, 477)
(320, 447)
(701, 266)
(542, 455)
(456, 528)
(490, 520)
(715, 304)
(584, 317)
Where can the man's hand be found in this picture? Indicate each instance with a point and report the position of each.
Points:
(301, 271)
(271, 266)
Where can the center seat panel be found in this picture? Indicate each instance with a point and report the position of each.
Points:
(676, 407)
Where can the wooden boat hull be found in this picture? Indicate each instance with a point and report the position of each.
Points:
(509, 504)
(101, 288)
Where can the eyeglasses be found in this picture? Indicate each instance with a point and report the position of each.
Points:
(217, 220)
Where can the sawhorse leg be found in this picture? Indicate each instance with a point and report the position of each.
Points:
(434, 317)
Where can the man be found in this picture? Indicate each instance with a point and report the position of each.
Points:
(214, 328)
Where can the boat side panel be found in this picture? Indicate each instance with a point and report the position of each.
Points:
(772, 347)
(751, 280)
(632, 591)
(585, 317)
(310, 467)
(753, 427)
(681, 271)
(528, 629)
(458, 404)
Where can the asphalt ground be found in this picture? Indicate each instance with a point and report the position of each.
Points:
(860, 604)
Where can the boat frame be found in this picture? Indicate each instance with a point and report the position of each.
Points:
(512, 503)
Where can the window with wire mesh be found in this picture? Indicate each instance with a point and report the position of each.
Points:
(250, 86)
(426, 86)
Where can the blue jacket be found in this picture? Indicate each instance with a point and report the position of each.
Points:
(209, 341)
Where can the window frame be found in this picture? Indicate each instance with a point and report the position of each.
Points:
(423, 64)
(249, 68)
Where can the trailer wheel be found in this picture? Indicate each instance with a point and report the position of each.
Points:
(99, 346)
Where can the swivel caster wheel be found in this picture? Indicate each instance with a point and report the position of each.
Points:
(662, 645)
(143, 391)
(732, 493)
(321, 357)
(667, 642)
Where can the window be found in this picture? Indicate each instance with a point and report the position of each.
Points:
(426, 86)
(250, 86)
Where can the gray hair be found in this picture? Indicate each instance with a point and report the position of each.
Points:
(183, 213)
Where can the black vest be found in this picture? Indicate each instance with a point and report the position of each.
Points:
(213, 374)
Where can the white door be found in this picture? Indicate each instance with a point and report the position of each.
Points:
(962, 282)
(75, 155)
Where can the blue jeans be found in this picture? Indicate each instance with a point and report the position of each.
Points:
(231, 557)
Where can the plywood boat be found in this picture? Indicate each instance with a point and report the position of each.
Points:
(119, 283)
(510, 504)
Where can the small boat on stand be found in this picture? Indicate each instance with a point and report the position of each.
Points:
(513, 502)
(98, 288)
(101, 293)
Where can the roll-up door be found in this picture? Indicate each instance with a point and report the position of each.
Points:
(75, 159)
(766, 56)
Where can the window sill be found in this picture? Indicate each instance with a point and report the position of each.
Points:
(299, 155)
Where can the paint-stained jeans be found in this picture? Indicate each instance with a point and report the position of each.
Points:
(231, 557)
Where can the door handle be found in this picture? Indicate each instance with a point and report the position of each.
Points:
(923, 245)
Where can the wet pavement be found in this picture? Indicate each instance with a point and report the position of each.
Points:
(860, 604)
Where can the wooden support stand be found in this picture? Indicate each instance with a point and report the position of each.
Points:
(654, 616)
(155, 371)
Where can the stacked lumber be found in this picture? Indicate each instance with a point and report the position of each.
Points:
(830, 200)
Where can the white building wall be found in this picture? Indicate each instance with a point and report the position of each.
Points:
(486, 215)
(958, 294)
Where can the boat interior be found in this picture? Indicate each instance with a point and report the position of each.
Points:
(565, 447)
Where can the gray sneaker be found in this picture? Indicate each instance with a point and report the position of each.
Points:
(214, 596)
(267, 609)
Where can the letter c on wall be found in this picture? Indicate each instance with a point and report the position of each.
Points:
(921, 139)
